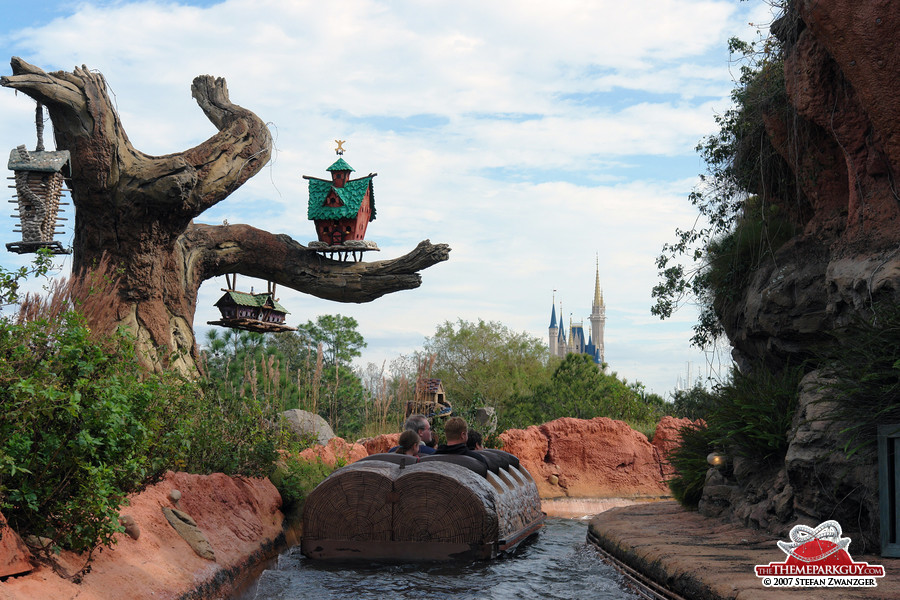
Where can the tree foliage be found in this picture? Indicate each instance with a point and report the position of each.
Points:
(307, 369)
(748, 201)
(485, 363)
(577, 388)
(81, 429)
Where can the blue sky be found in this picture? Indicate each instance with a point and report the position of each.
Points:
(532, 137)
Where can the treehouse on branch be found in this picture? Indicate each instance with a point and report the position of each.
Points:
(341, 210)
(143, 213)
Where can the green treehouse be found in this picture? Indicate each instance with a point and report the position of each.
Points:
(341, 209)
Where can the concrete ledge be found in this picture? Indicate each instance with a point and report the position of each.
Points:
(707, 559)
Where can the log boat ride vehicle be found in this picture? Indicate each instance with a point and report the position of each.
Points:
(394, 507)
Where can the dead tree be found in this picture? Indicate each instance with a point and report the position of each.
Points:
(139, 209)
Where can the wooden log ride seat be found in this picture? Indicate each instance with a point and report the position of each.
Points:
(398, 508)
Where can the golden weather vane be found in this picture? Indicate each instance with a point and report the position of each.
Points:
(340, 148)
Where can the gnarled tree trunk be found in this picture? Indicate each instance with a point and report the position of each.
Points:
(139, 209)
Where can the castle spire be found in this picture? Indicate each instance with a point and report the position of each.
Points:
(553, 312)
(598, 294)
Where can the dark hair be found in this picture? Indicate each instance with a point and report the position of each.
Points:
(408, 439)
(473, 440)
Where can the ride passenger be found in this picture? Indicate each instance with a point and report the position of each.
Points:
(409, 443)
(474, 441)
(457, 432)
(420, 425)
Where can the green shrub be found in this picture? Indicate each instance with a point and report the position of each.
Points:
(231, 434)
(750, 417)
(295, 478)
(754, 410)
(863, 365)
(689, 461)
(81, 429)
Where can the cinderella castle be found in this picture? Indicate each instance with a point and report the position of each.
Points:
(561, 344)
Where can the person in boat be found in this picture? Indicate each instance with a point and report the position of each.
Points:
(419, 424)
(456, 431)
(474, 441)
(410, 442)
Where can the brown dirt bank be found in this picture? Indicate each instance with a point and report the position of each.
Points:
(240, 517)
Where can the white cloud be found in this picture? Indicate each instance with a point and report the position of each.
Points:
(542, 122)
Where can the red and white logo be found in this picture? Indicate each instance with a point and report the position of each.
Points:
(818, 558)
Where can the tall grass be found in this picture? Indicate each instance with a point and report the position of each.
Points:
(751, 417)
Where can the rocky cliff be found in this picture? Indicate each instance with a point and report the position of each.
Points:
(597, 458)
(840, 136)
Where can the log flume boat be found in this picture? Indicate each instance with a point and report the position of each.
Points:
(394, 507)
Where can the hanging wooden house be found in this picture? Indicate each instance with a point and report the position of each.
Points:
(39, 179)
(251, 312)
(341, 209)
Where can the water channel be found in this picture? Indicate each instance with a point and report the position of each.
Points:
(557, 564)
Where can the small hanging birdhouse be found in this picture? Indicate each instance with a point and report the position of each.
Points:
(251, 312)
(341, 209)
(39, 178)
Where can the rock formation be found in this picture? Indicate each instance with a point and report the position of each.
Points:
(15, 557)
(336, 451)
(840, 77)
(840, 136)
(240, 517)
(666, 438)
(380, 443)
(597, 458)
(305, 425)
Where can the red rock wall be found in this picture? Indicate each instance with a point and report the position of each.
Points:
(668, 437)
(337, 449)
(599, 458)
(238, 516)
(380, 443)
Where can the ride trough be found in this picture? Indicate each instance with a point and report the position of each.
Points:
(395, 507)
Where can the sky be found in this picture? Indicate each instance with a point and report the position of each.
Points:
(542, 141)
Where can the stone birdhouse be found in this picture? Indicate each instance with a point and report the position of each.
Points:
(39, 179)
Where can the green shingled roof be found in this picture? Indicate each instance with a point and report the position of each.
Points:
(340, 165)
(244, 299)
(352, 195)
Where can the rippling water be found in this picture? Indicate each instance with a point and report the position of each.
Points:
(558, 564)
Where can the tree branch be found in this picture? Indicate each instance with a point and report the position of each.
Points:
(176, 186)
(216, 250)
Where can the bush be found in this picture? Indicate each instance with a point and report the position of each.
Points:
(295, 478)
(753, 412)
(81, 429)
(750, 417)
(689, 461)
(863, 365)
(577, 388)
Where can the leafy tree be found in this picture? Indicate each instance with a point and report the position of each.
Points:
(341, 342)
(307, 369)
(695, 403)
(577, 388)
(485, 363)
